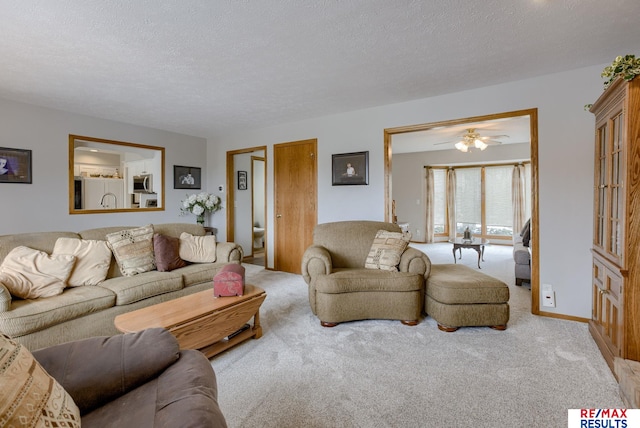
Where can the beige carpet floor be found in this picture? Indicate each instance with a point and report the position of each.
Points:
(384, 374)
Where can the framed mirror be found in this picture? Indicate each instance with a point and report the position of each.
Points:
(108, 176)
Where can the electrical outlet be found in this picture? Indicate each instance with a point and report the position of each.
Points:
(548, 296)
(220, 188)
(417, 201)
(418, 232)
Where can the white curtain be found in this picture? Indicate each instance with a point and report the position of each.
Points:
(518, 198)
(451, 202)
(429, 198)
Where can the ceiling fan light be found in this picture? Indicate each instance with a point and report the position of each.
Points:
(460, 145)
(480, 144)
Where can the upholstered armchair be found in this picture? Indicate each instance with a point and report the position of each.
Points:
(342, 289)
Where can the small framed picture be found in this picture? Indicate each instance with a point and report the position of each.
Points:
(350, 168)
(242, 180)
(186, 177)
(15, 165)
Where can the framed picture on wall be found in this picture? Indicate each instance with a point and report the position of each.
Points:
(15, 165)
(242, 180)
(350, 168)
(186, 177)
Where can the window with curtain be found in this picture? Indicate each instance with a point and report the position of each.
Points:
(498, 204)
(483, 200)
(469, 200)
(440, 201)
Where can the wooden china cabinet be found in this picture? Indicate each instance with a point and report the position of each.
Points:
(615, 320)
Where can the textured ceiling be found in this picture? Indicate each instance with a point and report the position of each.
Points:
(207, 67)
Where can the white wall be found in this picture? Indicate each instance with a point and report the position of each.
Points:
(44, 205)
(565, 164)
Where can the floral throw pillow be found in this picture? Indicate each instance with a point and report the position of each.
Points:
(133, 250)
(30, 396)
(386, 250)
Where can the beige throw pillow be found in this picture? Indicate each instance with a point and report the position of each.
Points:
(386, 250)
(93, 259)
(197, 249)
(133, 250)
(30, 396)
(30, 274)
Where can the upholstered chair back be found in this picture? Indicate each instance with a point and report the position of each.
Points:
(349, 242)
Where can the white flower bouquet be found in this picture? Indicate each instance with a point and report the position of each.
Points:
(199, 204)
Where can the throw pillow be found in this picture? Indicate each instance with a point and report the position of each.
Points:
(167, 253)
(93, 259)
(30, 274)
(386, 250)
(526, 236)
(525, 227)
(133, 250)
(30, 396)
(197, 249)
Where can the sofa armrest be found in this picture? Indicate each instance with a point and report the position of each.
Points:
(316, 260)
(5, 298)
(229, 252)
(415, 261)
(97, 370)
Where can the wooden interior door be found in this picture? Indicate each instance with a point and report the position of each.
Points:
(295, 201)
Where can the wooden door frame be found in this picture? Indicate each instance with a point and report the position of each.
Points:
(231, 193)
(533, 126)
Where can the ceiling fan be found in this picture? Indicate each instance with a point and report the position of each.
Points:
(472, 139)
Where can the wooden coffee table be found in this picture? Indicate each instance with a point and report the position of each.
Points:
(201, 321)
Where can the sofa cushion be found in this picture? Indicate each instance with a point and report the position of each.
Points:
(97, 370)
(184, 395)
(30, 396)
(133, 249)
(30, 274)
(139, 287)
(386, 250)
(43, 241)
(367, 280)
(93, 258)
(349, 242)
(167, 253)
(28, 316)
(199, 272)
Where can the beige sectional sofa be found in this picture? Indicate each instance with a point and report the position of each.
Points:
(85, 311)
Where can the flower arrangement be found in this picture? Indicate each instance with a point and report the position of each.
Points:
(199, 204)
(627, 66)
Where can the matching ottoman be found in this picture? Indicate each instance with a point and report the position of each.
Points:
(458, 296)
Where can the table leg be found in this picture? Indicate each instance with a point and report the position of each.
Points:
(478, 251)
(454, 254)
(482, 247)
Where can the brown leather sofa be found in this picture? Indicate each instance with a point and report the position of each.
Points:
(342, 289)
(136, 380)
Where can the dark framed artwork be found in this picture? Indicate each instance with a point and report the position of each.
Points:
(242, 180)
(350, 169)
(186, 177)
(15, 165)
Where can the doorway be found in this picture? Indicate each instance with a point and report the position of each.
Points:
(295, 196)
(443, 144)
(246, 198)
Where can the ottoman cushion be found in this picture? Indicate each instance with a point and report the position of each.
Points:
(458, 285)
